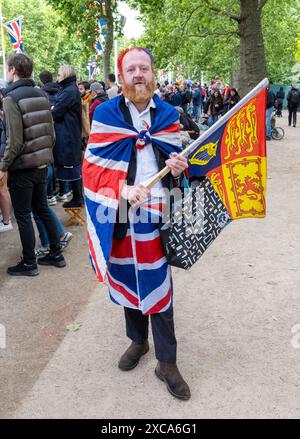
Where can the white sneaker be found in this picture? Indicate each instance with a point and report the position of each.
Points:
(63, 197)
(41, 251)
(5, 227)
(52, 201)
(65, 240)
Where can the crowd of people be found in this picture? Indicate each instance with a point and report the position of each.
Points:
(41, 166)
(210, 101)
(72, 105)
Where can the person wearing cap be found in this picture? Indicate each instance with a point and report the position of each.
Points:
(98, 97)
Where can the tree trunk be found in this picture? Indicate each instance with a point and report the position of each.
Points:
(109, 37)
(252, 54)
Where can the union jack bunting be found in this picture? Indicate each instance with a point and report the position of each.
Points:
(102, 31)
(99, 48)
(135, 269)
(14, 30)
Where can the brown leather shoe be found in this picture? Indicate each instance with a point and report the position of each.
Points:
(132, 355)
(169, 373)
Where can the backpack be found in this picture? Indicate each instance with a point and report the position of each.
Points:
(295, 97)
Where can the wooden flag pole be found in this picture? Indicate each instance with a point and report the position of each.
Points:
(264, 83)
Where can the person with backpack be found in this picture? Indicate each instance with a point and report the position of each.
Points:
(293, 99)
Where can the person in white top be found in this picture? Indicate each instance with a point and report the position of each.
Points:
(157, 90)
(113, 87)
(138, 84)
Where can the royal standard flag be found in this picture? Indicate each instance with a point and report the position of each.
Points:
(233, 157)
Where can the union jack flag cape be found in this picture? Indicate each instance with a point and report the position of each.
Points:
(14, 30)
(135, 268)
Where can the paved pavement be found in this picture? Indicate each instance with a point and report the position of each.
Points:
(234, 314)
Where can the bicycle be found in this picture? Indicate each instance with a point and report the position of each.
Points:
(277, 133)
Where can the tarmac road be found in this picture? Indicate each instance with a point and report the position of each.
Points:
(234, 314)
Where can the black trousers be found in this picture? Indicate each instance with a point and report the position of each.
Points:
(162, 330)
(77, 190)
(293, 114)
(28, 190)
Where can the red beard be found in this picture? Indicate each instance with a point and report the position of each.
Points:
(138, 93)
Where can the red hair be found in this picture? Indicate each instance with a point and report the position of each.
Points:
(130, 49)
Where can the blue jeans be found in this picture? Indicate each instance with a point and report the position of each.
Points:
(185, 108)
(269, 112)
(42, 229)
(50, 177)
(196, 112)
(28, 191)
(211, 120)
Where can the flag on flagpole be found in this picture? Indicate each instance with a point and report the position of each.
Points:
(14, 30)
(228, 173)
(233, 158)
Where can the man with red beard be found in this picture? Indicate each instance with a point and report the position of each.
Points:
(133, 137)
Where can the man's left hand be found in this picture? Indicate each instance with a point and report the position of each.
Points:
(177, 163)
(2, 175)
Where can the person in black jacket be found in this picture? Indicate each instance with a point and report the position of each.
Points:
(215, 107)
(67, 115)
(279, 98)
(232, 100)
(293, 99)
(29, 137)
(48, 86)
(51, 89)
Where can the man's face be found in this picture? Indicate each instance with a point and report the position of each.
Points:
(82, 90)
(138, 82)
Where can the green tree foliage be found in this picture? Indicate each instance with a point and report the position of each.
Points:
(183, 34)
(200, 38)
(45, 37)
(82, 16)
(281, 32)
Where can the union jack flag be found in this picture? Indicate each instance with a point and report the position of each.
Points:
(14, 30)
(135, 269)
